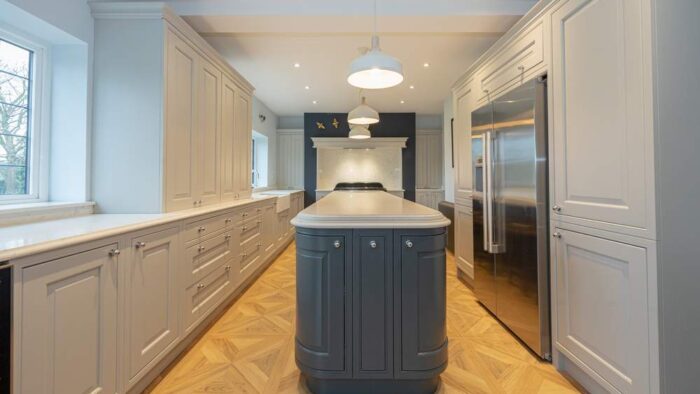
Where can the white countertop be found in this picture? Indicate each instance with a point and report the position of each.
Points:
(32, 238)
(368, 209)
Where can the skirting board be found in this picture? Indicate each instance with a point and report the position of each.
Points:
(153, 377)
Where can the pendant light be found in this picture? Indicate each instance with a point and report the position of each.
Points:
(375, 69)
(363, 114)
(359, 132)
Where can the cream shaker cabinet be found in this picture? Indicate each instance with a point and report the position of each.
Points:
(151, 293)
(461, 136)
(178, 127)
(69, 324)
(601, 111)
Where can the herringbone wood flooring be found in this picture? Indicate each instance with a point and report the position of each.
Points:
(251, 348)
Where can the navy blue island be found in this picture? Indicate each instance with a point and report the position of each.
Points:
(370, 294)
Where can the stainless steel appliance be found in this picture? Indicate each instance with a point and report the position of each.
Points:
(511, 252)
(5, 327)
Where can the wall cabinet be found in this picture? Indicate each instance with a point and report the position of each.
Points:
(603, 311)
(185, 136)
(603, 165)
(151, 299)
(69, 323)
(462, 142)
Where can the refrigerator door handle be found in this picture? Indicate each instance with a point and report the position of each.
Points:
(488, 193)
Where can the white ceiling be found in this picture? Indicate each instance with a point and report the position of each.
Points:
(263, 39)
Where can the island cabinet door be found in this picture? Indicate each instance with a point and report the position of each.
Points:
(372, 304)
(323, 277)
(420, 331)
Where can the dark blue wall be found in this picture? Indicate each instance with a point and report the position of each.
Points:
(390, 125)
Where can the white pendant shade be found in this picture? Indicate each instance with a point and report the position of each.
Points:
(375, 69)
(359, 132)
(363, 114)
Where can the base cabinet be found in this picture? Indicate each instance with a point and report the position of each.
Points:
(151, 298)
(69, 324)
(603, 308)
(371, 309)
(464, 239)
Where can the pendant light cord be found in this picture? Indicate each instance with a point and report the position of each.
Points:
(375, 17)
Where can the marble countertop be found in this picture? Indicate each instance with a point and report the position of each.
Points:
(32, 238)
(368, 209)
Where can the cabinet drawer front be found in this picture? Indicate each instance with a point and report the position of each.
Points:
(248, 213)
(207, 256)
(205, 295)
(250, 257)
(602, 307)
(521, 56)
(200, 228)
(250, 230)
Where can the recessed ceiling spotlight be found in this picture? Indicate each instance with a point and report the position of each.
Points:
(315, 102)
(411, 87)
(307, 87)
(403, 102)
(297, 65)
(426, 65)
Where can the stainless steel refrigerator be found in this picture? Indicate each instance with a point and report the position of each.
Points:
(511, 252)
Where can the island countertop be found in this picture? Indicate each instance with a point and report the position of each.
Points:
(368, 209)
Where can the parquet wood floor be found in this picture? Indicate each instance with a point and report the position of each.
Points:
(250, 349)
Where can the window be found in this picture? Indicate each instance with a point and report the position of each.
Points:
(18, 136)
(259, 160)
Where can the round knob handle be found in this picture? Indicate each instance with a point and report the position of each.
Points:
(227, 220)
(200, 229)
(556, 208)
(409, 244)
(521, 68)
(227, 237)
(200, 286)
(336, 244)
(115, 252)
(244, 228)
(372, 244)
(139, 244)
(556, 235)
(227, 268)
(200, 249)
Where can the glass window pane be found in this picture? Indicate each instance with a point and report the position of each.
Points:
(13, 120)
(14, 59)
(14, 90)
(13, 150)
(13, 180)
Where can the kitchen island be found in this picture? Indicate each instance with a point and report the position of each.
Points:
(370, 294)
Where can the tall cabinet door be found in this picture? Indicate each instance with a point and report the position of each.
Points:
(151, 298)
(69, 324)
(421, 297)
(603, 310)
(243, 141)
(322, 305)
(464, 239)
(462, 142)
(601, 111)
(208, 136)
(180, 125)
(228, 143)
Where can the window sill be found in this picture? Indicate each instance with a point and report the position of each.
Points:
(14, 214)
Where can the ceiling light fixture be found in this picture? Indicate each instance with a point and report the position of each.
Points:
(402, 101)
(375, 69)
(315, 102)
(411, 87)
(426, 65)
(297, 65)
(307, 87)
(359, 132)
(363, 114)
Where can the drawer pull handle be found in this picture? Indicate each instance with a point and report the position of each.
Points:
(521, 68)
(201, 228)
(244, 228)
(336, 244)
(556, 208)
(139, 244)
(259, 222)
(200, 249)
(114, 252)
(556, 235)
(227, 220)
(373, 244)
(245, 214)
(409, 244)
(200, 286)
(227, 237)
(227, 268)
(244, 255)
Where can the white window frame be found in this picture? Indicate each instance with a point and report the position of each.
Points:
(39, 120)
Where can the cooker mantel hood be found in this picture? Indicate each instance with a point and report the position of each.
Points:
(349, 143)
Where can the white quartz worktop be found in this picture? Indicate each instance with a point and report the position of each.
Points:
(28, 239)
(368, 209)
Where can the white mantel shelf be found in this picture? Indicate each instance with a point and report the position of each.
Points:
(349, 143)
